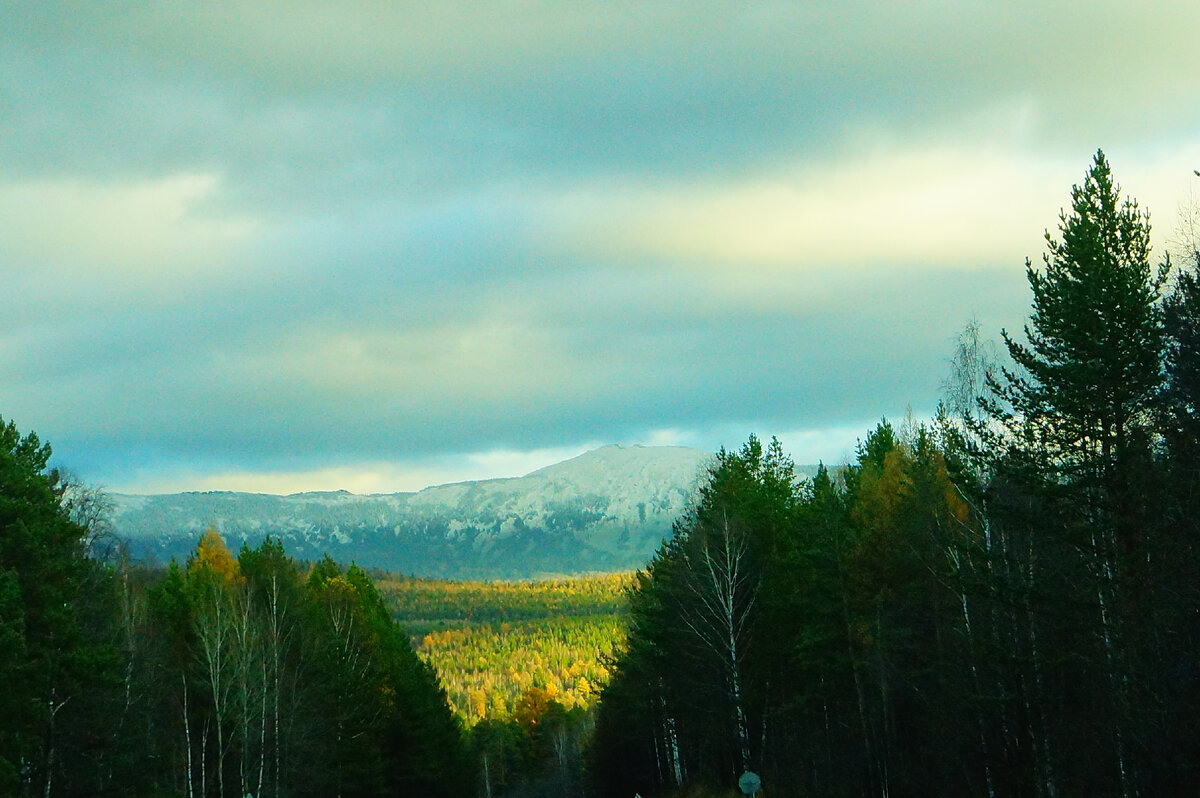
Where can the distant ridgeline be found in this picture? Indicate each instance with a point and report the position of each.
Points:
(606, 510)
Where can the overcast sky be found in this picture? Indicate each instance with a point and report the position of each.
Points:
(378, 245)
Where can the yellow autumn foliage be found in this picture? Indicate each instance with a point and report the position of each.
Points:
(213, 557)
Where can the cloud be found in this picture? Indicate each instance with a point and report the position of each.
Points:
(297, 241)
(151, 230)
(952, 208)
(313, 105)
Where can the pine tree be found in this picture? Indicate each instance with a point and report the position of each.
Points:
(1072, 435)
(1088, 380)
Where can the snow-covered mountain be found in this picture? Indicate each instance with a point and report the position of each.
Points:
(604, 510)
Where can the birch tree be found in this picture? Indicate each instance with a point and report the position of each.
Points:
(214, 581)
(723, 584)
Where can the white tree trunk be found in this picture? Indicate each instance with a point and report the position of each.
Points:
(187, 737)
(725, 592)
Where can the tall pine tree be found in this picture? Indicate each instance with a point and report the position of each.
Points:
(1089, 376)
(1073, 447)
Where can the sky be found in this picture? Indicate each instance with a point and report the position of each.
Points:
(284, 246)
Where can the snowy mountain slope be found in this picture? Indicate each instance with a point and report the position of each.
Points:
(604, 510)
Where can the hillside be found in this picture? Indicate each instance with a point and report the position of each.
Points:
(606, 510)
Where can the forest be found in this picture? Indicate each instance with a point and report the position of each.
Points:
(1001, 601)
(522, 663)
(226, 675)
(494, 643)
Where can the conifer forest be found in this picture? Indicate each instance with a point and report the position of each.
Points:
(1003, 600)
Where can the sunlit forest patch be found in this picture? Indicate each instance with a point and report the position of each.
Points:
(494, 644)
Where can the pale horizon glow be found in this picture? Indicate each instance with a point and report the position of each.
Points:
(806, 447)
(370, 478)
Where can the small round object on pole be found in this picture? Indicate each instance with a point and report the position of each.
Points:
(750, 783)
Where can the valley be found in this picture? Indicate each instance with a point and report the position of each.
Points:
(494, 644)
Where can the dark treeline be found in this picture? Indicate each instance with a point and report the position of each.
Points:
(1005, 602)
(225, 676)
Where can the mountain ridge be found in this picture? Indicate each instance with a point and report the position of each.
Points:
(606, 509)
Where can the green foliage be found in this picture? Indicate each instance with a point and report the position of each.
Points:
(1005, 604)
(13, 704)
(272, 679)
(1080, 404)
(693, 680)
(1182, 395)
(51, 656)
(1078, 463)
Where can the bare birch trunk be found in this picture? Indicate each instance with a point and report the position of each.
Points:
(187, 737)
(51, 751)
(726, 593)
(262, 732)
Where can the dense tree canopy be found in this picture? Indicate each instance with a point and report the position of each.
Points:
(227, 676)
(1006, 603)
(54, 644)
